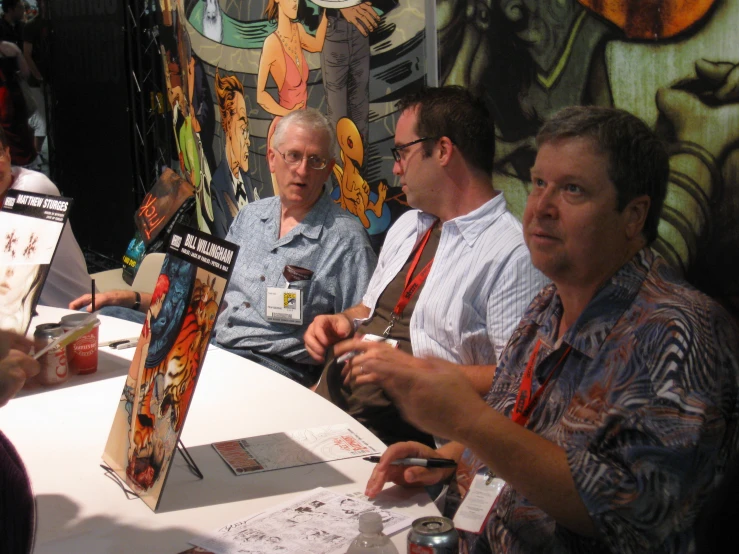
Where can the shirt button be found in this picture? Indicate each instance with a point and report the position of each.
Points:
(247, 305)
(261, 278)
(229, 324)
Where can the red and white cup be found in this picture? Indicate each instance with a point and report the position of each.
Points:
(82, 354)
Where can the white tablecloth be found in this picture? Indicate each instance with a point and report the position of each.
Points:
(61, 432)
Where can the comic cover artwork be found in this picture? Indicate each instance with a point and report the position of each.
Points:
(171, 350)
(30, 228)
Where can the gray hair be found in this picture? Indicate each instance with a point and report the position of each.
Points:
(309, 119)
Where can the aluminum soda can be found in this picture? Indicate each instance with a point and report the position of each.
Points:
(433, 535)
(53, 364)
(82, 354)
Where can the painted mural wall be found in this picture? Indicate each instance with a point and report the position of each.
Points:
(235, 66)
(671, 62)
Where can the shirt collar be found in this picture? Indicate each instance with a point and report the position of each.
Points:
(312, 223)
(470, 225)
(602, 312)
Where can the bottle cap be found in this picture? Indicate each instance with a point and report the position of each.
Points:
(370, 522)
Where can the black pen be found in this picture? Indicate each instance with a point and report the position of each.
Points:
(422, 462)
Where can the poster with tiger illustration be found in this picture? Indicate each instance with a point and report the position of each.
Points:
(170, 353)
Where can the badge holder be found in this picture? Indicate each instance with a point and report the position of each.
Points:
(478, 502)
(284, 305)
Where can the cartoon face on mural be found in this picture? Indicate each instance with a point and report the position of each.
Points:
(237, 135)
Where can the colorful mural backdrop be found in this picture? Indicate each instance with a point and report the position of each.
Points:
(671, 62)
(235, 66)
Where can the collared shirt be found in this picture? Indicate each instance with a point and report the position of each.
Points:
(644, 406)
(330, 242)
(479, 285)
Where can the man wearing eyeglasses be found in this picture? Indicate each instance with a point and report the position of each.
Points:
(300, 240)
(454, 275)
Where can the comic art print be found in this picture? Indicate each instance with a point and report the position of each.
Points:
(166, 365)
(30, 228)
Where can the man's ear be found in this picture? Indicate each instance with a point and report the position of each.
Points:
(329, 168)
(445, 147)
(271, 159)
(635, 215)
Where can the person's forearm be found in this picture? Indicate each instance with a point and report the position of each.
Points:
(360, 311)
(481, 376)
(535, 467)
(28, 55)
(452, 450)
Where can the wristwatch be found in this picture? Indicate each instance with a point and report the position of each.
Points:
(137, 303)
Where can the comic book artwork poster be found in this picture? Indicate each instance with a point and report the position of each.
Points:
(30, 228)
(235, 68)
(671, 62)
(167, 203)
(160, 204)
(167, 362)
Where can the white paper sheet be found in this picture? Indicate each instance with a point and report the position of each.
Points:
(318, 522)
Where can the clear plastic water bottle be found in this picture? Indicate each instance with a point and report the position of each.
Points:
(370, 539)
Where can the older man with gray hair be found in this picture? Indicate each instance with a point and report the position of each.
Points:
(300, 239)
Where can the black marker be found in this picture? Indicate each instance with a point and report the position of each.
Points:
(422, 462)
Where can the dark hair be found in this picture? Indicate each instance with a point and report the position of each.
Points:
(3, 139)
(455, 113)
(638, 163)
(9, 5)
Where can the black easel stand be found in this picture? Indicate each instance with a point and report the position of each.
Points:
(191, 465)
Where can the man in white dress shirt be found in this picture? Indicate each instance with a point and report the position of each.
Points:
(454, 276)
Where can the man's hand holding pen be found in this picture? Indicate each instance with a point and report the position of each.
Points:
(391, 467)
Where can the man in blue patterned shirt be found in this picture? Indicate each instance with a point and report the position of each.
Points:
(615, 403)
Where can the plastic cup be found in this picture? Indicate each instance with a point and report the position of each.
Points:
(82, 354)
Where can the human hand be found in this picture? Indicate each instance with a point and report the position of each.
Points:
(405, 476)
(15, 368)
(325, 331)
(431, 393)
(125, 298)
(383, 355)
(710, 119)
(723, 76)
(13, 341)
(362, 16)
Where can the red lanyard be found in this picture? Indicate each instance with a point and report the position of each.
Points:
(525, 403)
(411, 285)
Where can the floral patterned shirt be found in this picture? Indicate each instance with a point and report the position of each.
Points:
(644, 405)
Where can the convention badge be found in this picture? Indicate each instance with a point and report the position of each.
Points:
(377, 338)
(478, 502)
(284, 305)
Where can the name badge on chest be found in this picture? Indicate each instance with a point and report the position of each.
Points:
(284, 305)
(478, 502)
